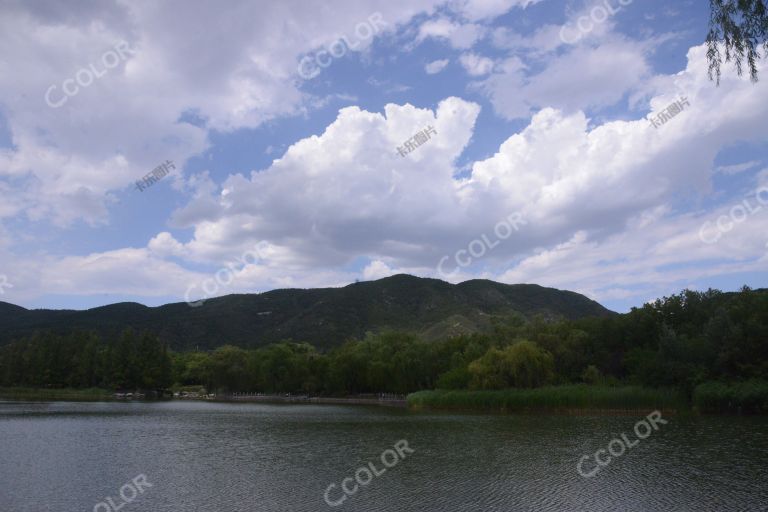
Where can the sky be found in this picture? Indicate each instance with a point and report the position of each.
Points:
(301, 144)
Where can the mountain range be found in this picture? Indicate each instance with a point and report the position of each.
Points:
(324, 317)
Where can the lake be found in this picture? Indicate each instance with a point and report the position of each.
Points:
(198, 456)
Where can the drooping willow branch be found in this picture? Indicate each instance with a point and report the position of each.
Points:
(739, 28)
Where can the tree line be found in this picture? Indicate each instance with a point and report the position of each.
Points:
(680, 341)
(81, 360)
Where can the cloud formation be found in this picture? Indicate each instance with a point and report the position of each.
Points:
(600, 194)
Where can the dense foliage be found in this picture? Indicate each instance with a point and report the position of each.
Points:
(81, 360)
(705, 339)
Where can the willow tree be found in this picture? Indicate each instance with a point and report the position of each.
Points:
(521, 365)
(739, 28)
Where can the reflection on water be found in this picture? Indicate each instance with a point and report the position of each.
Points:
(253, 457)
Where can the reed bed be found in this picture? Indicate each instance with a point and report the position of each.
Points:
(748, 397)
(92, 394)
(577, 398)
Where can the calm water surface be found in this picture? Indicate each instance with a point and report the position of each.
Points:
(67, 456)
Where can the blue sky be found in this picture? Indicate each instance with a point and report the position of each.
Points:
(540, 110)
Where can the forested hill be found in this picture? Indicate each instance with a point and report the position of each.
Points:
(325, 317)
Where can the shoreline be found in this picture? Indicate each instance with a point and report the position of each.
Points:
(315, 400)
(562, 411)
(70, 395)
(465, 402)
(396, 404)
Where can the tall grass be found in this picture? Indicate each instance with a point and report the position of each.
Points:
(750, 396)
(569, 397)
(94, 394)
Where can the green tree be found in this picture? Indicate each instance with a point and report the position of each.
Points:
(124, 366)
(523, 364)
(456, 378)
(591, 375)
(227, 369)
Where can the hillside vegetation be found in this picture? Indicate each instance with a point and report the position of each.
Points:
(323, 317)
(710, 348)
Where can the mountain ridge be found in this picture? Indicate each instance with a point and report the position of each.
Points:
(325, 317)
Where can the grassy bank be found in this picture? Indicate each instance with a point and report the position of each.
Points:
(571, 398)
(92, 394)
(742, 397)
